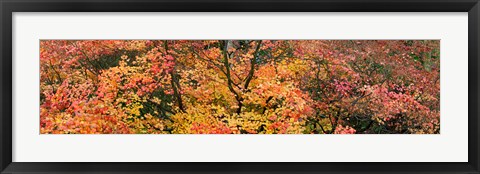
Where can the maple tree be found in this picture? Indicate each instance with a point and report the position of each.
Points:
(240, 86)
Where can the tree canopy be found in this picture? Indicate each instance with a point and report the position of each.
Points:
(240, 86)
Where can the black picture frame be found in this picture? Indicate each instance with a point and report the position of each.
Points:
(9, 6)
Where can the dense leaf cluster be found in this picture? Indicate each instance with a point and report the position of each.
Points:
(240, 86)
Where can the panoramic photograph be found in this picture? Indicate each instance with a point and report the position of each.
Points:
(239, 87)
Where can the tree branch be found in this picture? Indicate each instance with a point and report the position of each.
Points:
(253, 61)
(174, 82)
(229, 78)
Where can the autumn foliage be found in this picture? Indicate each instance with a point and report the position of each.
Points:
(240, 87)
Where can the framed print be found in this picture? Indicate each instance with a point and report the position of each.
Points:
(351, 86)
